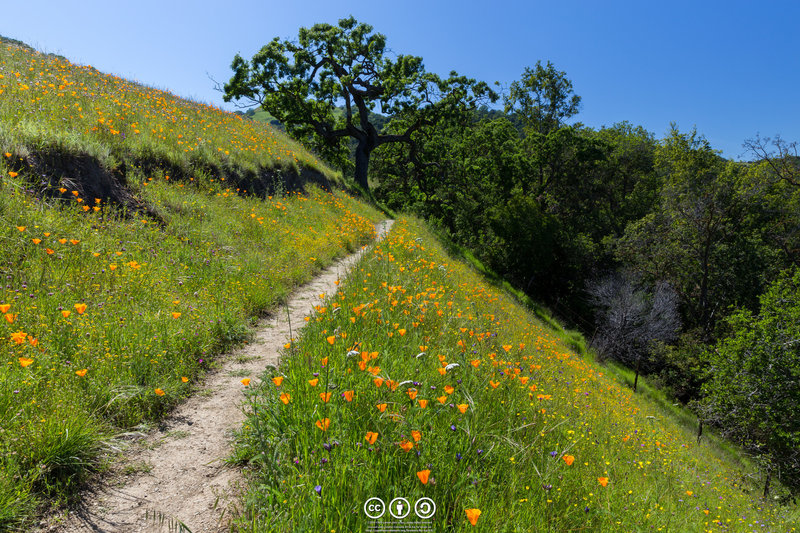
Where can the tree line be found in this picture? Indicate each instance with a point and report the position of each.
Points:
(675, 261)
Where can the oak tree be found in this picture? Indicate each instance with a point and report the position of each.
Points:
(304, 83)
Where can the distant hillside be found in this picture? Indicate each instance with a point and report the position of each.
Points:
(263, 116)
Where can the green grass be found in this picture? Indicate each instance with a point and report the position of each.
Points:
(49, 103)
(112, 313)
(522, 406)
(160, 301)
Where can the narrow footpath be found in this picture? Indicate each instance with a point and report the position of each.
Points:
(175, 478)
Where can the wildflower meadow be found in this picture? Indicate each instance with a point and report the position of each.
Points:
(110, 315)
(418, 380)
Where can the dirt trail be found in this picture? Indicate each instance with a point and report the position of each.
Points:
(177, 473)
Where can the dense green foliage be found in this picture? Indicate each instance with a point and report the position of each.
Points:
(754, 386)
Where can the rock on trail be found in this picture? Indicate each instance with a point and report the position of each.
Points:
(177, 474)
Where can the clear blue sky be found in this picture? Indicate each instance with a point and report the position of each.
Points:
(731, 68)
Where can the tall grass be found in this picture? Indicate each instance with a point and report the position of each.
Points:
(420, 380)
(109, 317)
(47, 101)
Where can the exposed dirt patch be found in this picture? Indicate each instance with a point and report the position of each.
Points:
(50, 169)
(55, 167)
(177, 473)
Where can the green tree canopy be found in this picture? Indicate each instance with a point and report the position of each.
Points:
(754, 387)
(543, 98)
(302, 82)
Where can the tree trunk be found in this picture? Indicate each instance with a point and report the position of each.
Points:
(362, 164)
(636, 379)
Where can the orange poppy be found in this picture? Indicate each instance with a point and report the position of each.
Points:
(176, 314)
(325, 396)
(462, 408)
(378, 382)
(473, 515)
(24, 361)
(246, 382)
(406, 445)
(313, 382)
(4, 308)
(81, 373)
(277, 380)
(371, 437)
(416, 435)
(441, 399)
(323, 424)
(381, 407)
(80, 308)
(423, 476)
(159, 392)
(569, 459)
(423, 403)
(603, 481)
(348, 395)
(331, 339)
(285, 397)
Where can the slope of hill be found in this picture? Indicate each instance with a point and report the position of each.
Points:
(419, 380)
(59, 118)
(131, 254)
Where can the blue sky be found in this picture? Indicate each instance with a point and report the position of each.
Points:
(730, 68)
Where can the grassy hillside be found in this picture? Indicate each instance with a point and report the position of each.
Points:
(53, 112)
(420, 380)
(130, 258)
